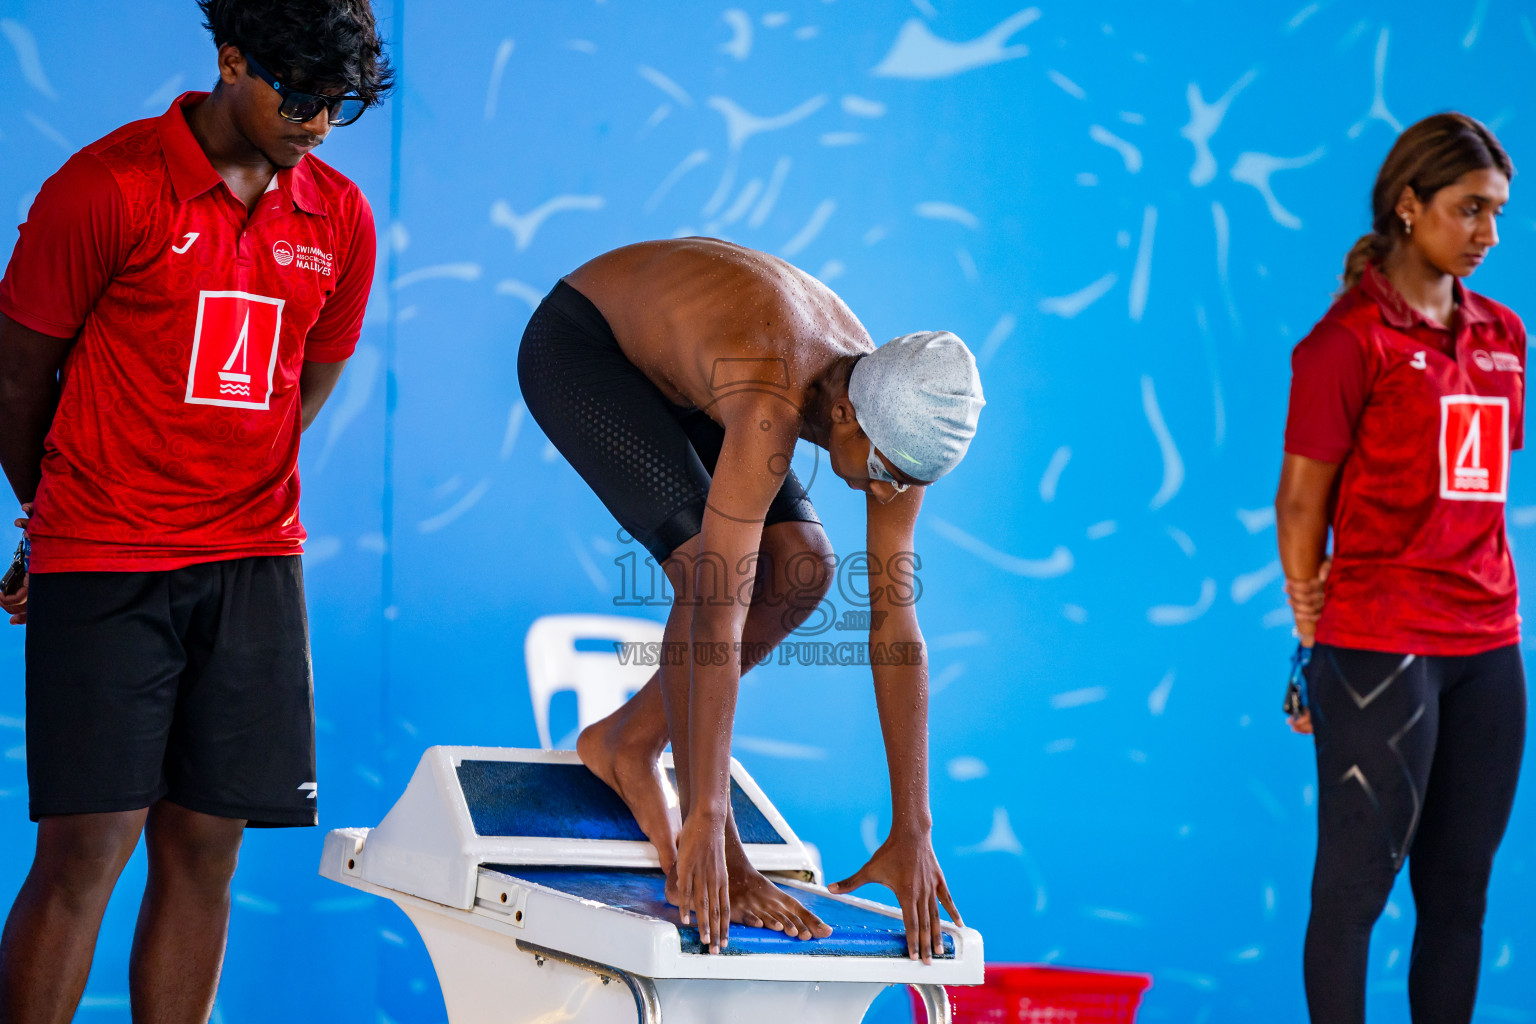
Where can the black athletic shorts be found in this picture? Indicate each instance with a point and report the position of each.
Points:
(189, 684)
(648, 460)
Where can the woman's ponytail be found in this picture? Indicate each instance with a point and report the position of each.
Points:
(1369, 249)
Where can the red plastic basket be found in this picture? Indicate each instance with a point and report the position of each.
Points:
(1025, 994)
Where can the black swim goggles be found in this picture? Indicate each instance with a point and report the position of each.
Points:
(301, 107)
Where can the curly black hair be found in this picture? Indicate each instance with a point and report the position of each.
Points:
(315, 44)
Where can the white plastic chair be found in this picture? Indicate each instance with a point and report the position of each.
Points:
(602, 681)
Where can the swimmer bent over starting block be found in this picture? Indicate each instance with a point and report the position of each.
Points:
(676, 378)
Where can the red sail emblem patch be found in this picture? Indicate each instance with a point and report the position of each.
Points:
(234, 350)
(1474, 448)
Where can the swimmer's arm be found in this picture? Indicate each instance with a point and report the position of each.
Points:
(316, 382)
(901, 677)
(751, 468)
(753, 460)
(906, 862)
(1301, 525)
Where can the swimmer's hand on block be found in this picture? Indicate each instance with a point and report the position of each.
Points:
(911, 871)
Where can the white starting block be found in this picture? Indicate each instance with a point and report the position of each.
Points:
(534, 890)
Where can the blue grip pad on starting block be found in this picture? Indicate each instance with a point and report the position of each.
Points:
(856, 930)
(566, 801)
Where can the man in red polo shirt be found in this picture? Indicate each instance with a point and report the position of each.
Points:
(182, 299)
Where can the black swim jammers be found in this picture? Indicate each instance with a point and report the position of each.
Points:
(648, 459)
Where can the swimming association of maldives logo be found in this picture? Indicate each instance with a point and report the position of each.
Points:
(1505, 361)
(307, 257)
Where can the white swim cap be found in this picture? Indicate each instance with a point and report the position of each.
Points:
(918, 397)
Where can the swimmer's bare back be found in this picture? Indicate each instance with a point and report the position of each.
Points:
(700, 316)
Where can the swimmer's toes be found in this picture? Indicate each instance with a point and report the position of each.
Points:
(741, 915)
(805, 924)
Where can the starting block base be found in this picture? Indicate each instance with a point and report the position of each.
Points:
(531, 921)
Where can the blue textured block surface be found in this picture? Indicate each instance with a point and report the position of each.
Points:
(566, 801)
(856, 931)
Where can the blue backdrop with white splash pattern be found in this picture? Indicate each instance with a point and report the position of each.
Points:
(1131, 211)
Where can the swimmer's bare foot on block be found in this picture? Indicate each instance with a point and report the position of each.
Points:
(634, 772)
(756, 901)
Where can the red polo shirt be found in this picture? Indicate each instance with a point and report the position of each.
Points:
(1422, 420)
(177, 434)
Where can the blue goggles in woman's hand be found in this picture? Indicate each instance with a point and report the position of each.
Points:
(1296, 688)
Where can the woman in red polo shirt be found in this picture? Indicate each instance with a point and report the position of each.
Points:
(1406, 400)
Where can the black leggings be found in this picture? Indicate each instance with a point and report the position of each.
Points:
(1417, 759)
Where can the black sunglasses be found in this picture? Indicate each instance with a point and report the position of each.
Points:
(300, 107)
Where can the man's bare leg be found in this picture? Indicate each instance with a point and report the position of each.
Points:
(624, 749)
(178, 946)
(50, 936)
